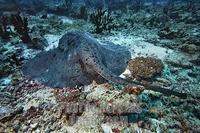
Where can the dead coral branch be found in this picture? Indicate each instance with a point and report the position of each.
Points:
(4, 34)
(21, 26)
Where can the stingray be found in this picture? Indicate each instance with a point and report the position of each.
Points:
(79, 59)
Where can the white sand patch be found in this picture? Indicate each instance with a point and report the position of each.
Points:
(138, 46)
(52, 41)
(106, 128)
(125, 73)
(5, 82)
(66, 20)
(30, 53)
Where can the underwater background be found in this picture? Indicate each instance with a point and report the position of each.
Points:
(99, 66)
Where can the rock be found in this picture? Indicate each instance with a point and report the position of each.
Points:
(106, 128)
(196, 112)
(122, 104)
(6, 98)
(158, 20)
(39, 43)
(43, 14)
(5, 110)
(25, 128)
(34, 126)
(38, 98)
(196, 61)
(169, 33)
(194, 39)
(10, 59)
(7, 113)
(174, 15)
(193, 74)
(195, 19)
(189, 48)
(5, 69)
(4, 82)
(126, 130)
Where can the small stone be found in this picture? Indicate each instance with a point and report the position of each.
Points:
(5, 111)
(24, 128)
(189, 48)
(33, 126)
(126, 130)
(106, 128)
(39, 43)
(196, 61)
(193, 74)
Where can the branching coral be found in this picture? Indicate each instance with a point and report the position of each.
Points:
(21, 26)
(102, 20)
(145, 68)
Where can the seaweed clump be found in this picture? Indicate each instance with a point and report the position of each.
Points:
(102, 20)
(145, 67)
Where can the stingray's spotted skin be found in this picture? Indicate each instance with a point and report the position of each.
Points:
(78, 60)
(91, 57)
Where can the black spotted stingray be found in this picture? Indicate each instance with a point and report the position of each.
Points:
(79, 59)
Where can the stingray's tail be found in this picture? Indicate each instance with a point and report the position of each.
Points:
(114, 78)
(165, 91)
(99, 67)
